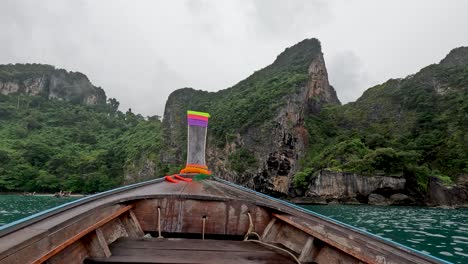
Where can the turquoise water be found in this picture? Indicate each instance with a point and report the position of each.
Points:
(439, 232)
(14, 207)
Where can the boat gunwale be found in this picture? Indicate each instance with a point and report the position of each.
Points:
(29, 220)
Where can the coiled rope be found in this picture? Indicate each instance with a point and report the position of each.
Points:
(250, 232)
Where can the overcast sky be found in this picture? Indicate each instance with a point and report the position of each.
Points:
(141, 51)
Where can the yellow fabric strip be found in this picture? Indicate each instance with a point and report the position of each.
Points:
(198, 113)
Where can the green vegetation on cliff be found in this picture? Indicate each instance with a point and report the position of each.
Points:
(20, 72)
(51, 145)
(253, 101)
(48, 82)
(414, 127)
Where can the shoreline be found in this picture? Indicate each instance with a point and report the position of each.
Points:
(43, 194)
(464, 206)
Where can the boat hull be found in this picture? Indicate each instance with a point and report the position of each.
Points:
(90, 229)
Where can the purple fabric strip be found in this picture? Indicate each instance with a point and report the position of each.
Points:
(196, 122)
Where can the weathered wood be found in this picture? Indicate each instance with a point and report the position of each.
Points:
(268, 228)
(307, 252)
(185, 216)
(55, 235)
(147, 213)
(185, 244)
(76, 237)
(75, 253)
(102, 243)
(329, 255)
(317, 232)
(136, 224)
(292, 238)
(113, 230)
(190, 251)
(129, 226)
(359, 247)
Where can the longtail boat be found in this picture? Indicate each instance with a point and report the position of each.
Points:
(192, 218)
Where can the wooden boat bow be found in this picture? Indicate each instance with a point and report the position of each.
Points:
(91, 229)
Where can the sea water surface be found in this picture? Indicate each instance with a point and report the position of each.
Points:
(15, 207)
(442, 233)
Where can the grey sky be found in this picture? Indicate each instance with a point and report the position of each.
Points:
(141, 51)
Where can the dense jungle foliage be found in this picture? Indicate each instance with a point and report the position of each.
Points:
(51, 145)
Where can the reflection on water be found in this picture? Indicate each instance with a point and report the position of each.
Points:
(14, 207)
(440, 232)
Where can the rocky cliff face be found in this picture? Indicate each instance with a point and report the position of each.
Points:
(456, 57)
(46, 81)
(455, 195)
(289, 138)
(258, 135)
(275, 143)
(342, 187)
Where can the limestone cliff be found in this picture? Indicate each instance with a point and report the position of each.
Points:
(257, 133)
(456, 57)
(46, 81)
(412, 127)
(454, 195)
(328, 186)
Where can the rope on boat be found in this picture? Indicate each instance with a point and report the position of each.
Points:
(159, 223)
(250, 232)
(203, 230)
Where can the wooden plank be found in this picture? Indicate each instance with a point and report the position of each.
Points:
(272, 235)
(291, 237)
(185, 216)
(329, 255)
(75, 253)
(186, 244)
(307, 253)
(95, 244)
(102, 243)
(146, 211)
(190, 251)
(113, 230)
(81, 234)
(268, 229)
(353, 246)
(345, 247)
(138, 230)
(190, 257)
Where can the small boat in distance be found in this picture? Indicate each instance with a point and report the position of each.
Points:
(192, 218)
